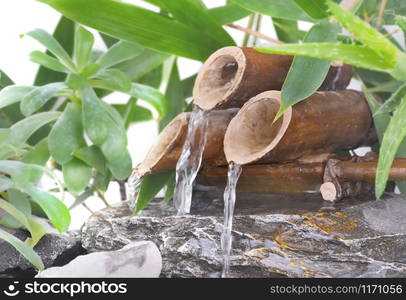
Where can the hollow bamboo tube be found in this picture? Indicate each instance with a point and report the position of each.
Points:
(298, 177)
(165, 153)
(232, 75)
(324, 122)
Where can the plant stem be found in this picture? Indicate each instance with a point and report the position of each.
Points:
(381, 11)
(255, 33)
(257, 27)
(247, 35)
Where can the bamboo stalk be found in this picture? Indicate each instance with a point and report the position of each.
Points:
(232, 75)
(308, 131)
(165, 153)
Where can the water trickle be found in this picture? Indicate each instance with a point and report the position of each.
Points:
(234, 171)
(190, 160)
(133, 186)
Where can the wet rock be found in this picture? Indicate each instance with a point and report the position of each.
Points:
(137, 259)
(54, 249)
(304, 240)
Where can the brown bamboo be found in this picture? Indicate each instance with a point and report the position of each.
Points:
(297, 177)
(232, 75)
(165, 153)
(324, 122)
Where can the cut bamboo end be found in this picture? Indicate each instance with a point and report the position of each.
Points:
(233, 75)
(328, 191)
(322, 123)
(165, 153)
(252, 133)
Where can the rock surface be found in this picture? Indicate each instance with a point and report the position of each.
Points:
(349, 240)
(137, 259)
(54, 249)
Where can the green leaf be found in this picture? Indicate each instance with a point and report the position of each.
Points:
(13, 94)
(393, 101)
(21, 173)
(5, 183)
(66, 135)
(307, 74)
(359, 56)
(64, 34)
(101, 181)
(53, 46)
(4, 80)
(151, 96)
(76, 175)
(192, 14)
(283, 9)
(48, 62)
(170, 188)
(132, 23)
(37, 231)
(55, 210)
(23, 129)
(228, 13)
(401, 22)
(20, 206)
(132, 113)
(175, 98)
(393, 137)
(118, 53)
(35, 99)
(82, 50)
(287, 30)
(316, 9)
(23, 248)
(364, 32)
(39, 155)
(112, 79)
(142, 64)
(94, 117)
(92, 156)
(150, 186)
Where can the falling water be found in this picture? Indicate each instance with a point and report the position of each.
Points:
(133, 186)
(234, 171)
(190, 160)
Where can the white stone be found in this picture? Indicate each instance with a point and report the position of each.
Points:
(137, 259)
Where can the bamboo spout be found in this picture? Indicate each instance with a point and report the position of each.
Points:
(324, 122)
(166, 151)
(232, 75)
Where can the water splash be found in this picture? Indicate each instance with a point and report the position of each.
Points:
(133, 186)
(234, 171)
(190, 160)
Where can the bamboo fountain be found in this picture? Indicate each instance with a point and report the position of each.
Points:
(239, 91)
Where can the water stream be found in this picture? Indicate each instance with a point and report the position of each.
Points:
(190, 160)
(234, 171)
(133, 186)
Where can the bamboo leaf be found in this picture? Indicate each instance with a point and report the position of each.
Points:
(401, 22)
(150, 186)
(48, 62)
(23, 248)
(316, 9)
(76, 175)
(306, 74)
(66, 135)
(13, 94)
(118, 53)
(283, 9)
(364, 32)
(82, 50)
(359, 56)
(393, 137)
(287, 30)
(228, 13)
(40, 95)
(4, 80)
(53, 46)
(64, 34)
(393, 101)
(135, 24)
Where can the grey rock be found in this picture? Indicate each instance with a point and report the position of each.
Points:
(54, 249)
(350, 239)
(137, 259)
